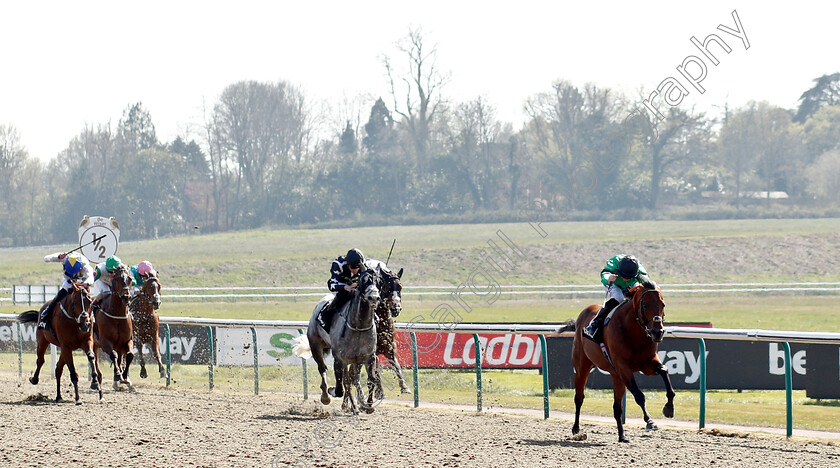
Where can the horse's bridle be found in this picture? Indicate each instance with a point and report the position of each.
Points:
(85, 313)
(141, 295)
(125, 298)
(393, 299)
(362, 296)
(640, 314)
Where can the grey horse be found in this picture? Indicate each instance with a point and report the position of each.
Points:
(352, 339)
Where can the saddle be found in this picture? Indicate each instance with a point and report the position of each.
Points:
(599, 333)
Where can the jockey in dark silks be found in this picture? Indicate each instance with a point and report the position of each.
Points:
(344, 278)
(77, 270)
(621, 274)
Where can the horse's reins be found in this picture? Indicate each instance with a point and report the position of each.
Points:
(82, 315)
(358, 304)
(118, 317)
(640, 316)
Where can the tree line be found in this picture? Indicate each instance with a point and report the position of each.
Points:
(265, 156)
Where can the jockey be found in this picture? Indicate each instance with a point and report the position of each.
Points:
(103, 278)
(77, 270)
(345, 273)
(141, 273)
(621, 274)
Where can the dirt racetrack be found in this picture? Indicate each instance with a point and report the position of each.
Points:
(156, 427)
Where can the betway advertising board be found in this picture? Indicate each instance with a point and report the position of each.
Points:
(188, 344)
(730, 364)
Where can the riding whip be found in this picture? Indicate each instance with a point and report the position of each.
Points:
(95, 239)
(389, 253)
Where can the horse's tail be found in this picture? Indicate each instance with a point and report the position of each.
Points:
(567, 326)
(302, 348)
(30, 316)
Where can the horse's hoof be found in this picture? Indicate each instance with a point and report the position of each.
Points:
(336, 392)
(379, 395)
(668, 410)
(116, 387)
(78, 403)
(651, 426)
(33, 380)
(143, 374)
(575, 429)
(325, 399)
(58, 399)
(405, 391)
(162, 374)
(624, 440)
(369, 409)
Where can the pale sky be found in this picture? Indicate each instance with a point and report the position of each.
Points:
(68, 64)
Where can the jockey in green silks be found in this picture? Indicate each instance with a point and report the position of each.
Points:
(619, 276)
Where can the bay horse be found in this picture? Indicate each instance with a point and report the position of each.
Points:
(146, 323)
(113, 332)
(630, 343)
(71, 329)
(389, 307)
(352, 339)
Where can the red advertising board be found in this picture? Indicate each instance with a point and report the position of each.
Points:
(445, 349)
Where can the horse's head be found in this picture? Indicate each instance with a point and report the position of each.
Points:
(121, 284)
(79, 307)
(150, 292)
(650, 310)
(369, 287)
(392, 290)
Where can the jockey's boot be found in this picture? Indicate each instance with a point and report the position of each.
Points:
(591, 330)
(326, 315)
(46, 315)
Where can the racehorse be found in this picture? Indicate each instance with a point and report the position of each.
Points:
(71, 329)
(630, 343)
(113, 332)
(145, 322)
(352, 339)
(388, 308)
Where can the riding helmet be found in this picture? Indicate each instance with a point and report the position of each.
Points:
(355, 258)
(628, 267)
(112, 263)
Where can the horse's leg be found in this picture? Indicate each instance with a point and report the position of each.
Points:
(59, 369)
(318, 356)
(156, 350)
(95, 375)
(668, 409)
(372, 366)
(39, 361)
(374, 384)
(115, 360)
(74, 377)
(139, 341)
(639, 396)
(392, 358)
(351, 380)
(338, 371)
(619, 390)
(581, 376)
(129, 356)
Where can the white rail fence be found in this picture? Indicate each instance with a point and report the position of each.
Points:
(264, 293)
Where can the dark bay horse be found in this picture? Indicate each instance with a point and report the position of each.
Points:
(146, 323)
(352, 339)
(631, 339)
(71, 329)
(113, 332)
(388, 308)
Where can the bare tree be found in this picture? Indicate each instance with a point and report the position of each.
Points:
(418, 99)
